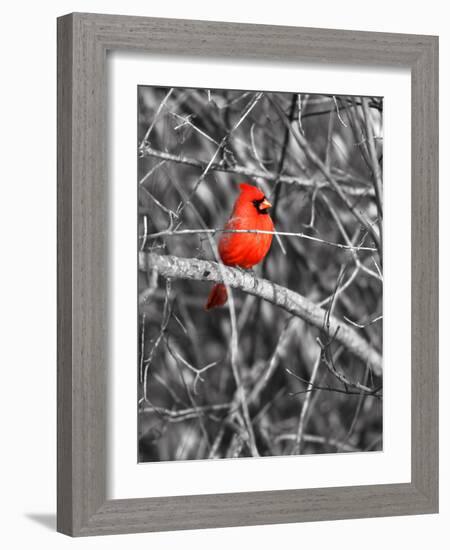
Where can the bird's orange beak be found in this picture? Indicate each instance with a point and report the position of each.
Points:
(265, 204)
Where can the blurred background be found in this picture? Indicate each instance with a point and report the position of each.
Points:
(305, 393)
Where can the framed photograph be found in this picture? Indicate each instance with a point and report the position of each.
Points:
(247, 274)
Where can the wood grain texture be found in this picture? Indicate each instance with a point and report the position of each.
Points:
(425, 273)
(83, 247)
(83, 40)
(64, 336)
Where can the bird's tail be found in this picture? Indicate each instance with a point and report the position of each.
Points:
(217, 297)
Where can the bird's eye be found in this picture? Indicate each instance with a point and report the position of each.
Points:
(257, 202)
(262, 205)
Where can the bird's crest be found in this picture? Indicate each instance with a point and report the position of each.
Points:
(247, 187)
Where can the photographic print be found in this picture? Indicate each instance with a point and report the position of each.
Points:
(260, 273)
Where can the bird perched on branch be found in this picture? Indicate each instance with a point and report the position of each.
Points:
(245, 250)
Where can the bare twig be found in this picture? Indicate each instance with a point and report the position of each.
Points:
(305, 408)
(354, 249)
(372, 151)
(150, 173)
(254, 148)
(339, 375)
(375, 392)
(343, 107)
(358, 410)
(310, 438)
(376, 170)
(352, 190)
(145, 235)
(198, 372)
(365, 324)
(327, 160)
(284, 147)
(155, 118)
(186, 121)
(148, 292)
(171, 233)
(164, 208)
(283, 341)
(338, 112)
(166, 318)
(182, 415)
(141, 351)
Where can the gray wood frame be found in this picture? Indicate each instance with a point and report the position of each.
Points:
(83, 40)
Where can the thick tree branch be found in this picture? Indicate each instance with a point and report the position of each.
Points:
(201, 270)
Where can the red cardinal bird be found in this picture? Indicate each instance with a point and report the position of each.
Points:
(251, 211)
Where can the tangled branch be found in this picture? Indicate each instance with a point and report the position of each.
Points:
(350, 189)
